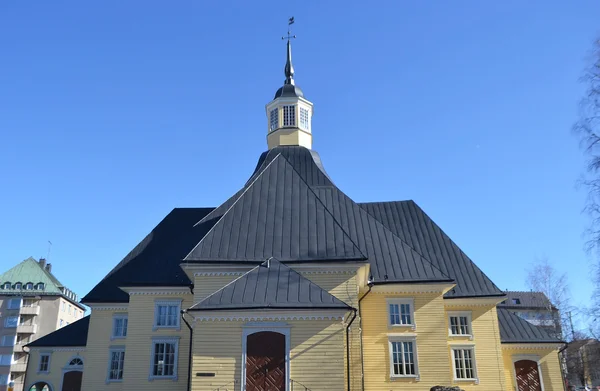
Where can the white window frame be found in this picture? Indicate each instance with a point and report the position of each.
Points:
(39, 368)
(111, 350)
(122, 317)
(274, 119)
(304, 126)
(6, 321)
(473, 358)
(7, 285)
(292, 123)
(160, 340)
(18, 285)
(176, 302)
(69, 310)
(530, 357)
(403, 338)
(459, 314)
(40, 286)
(29, 286)
(9, 338)
(399, 301)
(12, 305)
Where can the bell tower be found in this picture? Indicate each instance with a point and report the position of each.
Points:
(289, 114)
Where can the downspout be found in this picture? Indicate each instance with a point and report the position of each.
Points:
(362, 358)
(189, 378)
(348, 345)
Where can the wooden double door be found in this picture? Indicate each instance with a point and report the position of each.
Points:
(528, 376)
(265, 362)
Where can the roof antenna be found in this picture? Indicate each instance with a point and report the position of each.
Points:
(268, 262)
(49, 248)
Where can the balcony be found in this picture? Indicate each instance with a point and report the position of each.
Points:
(27, 328)
(30, 310)
(18, 348)
(18, 367)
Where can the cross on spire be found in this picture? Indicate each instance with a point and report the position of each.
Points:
(289, 68)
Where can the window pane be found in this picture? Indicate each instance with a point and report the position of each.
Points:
(464, 325)
(394, 314)
(289, 115)
(458, 363)
(397, 358)
(409, 363)
(274, 119)
(405, 309)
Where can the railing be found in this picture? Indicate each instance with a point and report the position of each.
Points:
(297, 386)
(228, 387)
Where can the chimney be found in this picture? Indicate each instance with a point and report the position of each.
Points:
(49, 268)
(43, 262)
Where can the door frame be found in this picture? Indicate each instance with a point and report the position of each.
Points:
(257, 327)
(530, 357)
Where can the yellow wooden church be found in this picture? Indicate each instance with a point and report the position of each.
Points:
(290, 285)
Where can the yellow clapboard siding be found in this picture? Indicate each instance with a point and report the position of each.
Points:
(96, 364)
(206, 285)
(58, 360)
(316, 357)
(547, 358)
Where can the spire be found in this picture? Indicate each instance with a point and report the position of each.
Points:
(289, 68)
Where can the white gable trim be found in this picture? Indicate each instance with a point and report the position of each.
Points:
(433, 287)
(157, 290)
(108, 307)
(259, 316)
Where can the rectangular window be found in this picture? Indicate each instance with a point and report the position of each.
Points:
(516, 301)
(115, 366)
(3, 380)
(400, 312)
(61, 323)
(164, 358)
(11, 321)
(119, 326)
(6, 359)
(403, 361)
(304, 122)
(464, 363)
(62, 306)
(69, 309)
(459, 323)
(14, 304)
(289, 115)
(44, 363)
(8, 340)
(166, 314)
(274, 118)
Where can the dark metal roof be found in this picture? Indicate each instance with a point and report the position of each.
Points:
(407, 220)
(289, 90)
(526, 300)
(74, 334)
(277, 215)
(156, 260)
(270, 285)
(514, 329)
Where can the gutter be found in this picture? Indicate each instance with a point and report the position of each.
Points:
(189, 377)
(348, 345)
(362, 357)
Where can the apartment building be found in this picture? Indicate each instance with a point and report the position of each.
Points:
(33, 303)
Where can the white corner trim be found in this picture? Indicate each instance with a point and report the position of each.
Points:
(257, 316)
(157, 290)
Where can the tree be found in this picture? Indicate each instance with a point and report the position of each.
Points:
(543, 277)
(588, 130)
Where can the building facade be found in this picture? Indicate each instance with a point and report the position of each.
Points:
(33, 303)
(292, 285)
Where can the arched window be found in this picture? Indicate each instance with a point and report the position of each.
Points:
(18, 285)
(29, 286)
(76, 362)
(40, 286)
(6, 285)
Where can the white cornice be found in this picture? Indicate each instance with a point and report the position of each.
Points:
(250, 316)
(302, 268)
(434, 287)
(474, 301)
(58, 349)
(108, 306)
(217, 274)
(157, 290)
(531, 346)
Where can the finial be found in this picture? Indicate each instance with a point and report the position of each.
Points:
(289, 68)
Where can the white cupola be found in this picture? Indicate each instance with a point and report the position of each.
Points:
(289, 114)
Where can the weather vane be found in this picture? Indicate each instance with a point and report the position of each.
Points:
(289, 33)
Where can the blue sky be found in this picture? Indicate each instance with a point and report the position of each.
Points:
(112, 113)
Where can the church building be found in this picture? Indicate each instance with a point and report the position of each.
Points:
(290, 285)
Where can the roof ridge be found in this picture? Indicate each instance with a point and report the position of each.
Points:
(403, 241)
(245, 188)
(325, 207)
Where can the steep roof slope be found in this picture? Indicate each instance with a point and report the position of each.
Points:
(514, 329)
(407, 220)
(532, 300)
(267, 286)
(74, 334)
(31, 270)
(277, 215)
(155, 260)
